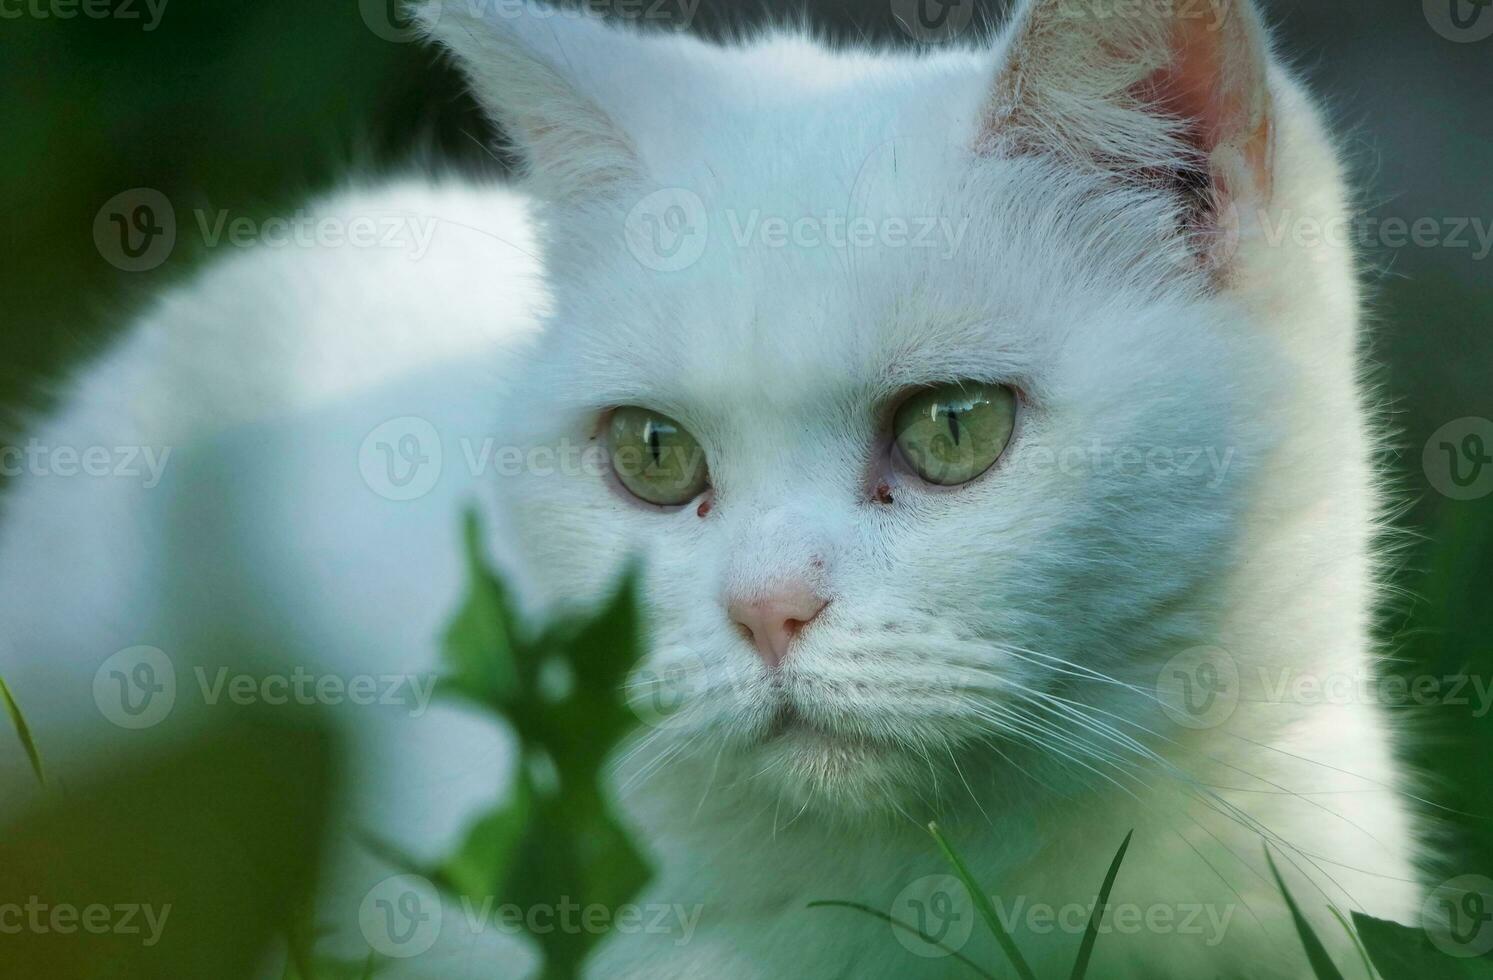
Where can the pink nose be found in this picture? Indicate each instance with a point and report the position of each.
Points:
(775, 620)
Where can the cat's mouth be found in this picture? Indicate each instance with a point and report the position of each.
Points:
(788, 720)
(789, 723)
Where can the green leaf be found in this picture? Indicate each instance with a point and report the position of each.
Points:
(23, 731)
(1101, 905)
(481, 865)
(1322, 964)
(1363, 954)
(211, 846)
(982, 902)
(479, 649)
(555, 839)
(1402, 953)
(899, 924)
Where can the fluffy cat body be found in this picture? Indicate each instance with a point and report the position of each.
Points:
(1190, 484)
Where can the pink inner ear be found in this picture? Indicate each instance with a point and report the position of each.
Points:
(1227, 99)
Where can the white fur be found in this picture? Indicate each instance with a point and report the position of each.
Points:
(991, 654)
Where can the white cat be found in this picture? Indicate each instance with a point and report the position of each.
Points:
(990, 458)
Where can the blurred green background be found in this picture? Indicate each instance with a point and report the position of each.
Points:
(252, 105)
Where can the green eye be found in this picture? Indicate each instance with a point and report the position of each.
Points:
(951, 434)
(656, 459)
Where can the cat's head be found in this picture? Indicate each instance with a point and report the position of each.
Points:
(938, 380)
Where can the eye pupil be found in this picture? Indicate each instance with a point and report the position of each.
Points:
(655, 458)
(951, 434)
(653, 445)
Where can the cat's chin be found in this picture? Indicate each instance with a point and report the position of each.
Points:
(833, 774)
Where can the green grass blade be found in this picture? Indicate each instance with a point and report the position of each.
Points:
(982, 902)
(1353, 935)
(23, 731)
(1316, 954)
(899, 924)
(1086, 948)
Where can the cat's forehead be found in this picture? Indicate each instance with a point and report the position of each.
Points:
(755, 292)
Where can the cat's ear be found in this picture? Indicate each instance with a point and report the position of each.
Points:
(1149, 89)
(535, 71)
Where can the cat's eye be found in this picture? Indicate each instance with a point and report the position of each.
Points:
(656, 458)
(953, 433)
